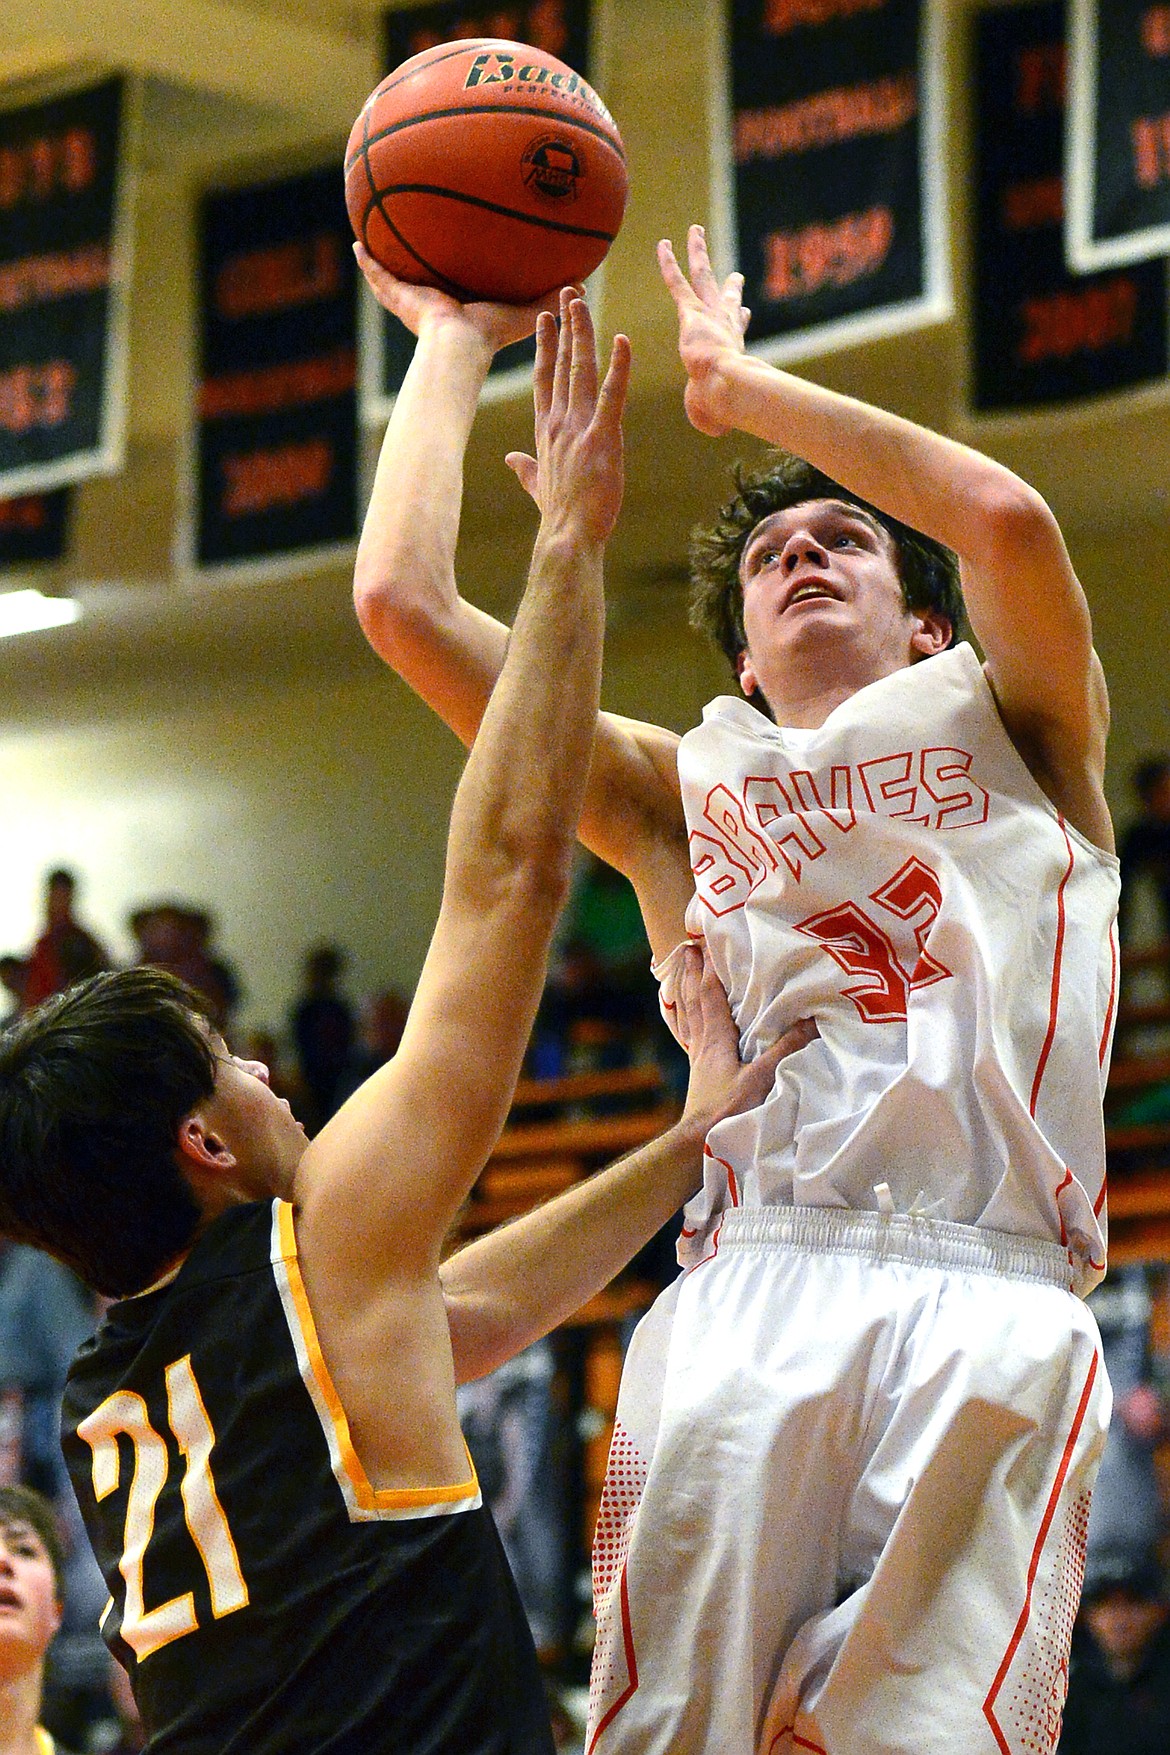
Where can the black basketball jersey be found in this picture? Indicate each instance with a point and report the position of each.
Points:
(265, 1598)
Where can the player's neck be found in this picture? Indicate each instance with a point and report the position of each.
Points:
(804, 696)
(20, 1705)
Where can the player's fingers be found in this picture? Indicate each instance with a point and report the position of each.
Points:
(611, 398)
(542, 371)
(676, 281)
(560, 384)
(698, 260)
(524, 468)
(583, 362)
(688, 980)
(798, 1036)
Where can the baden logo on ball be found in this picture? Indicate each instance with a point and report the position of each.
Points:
(486, 168)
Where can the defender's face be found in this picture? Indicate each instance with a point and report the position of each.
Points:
(822, 577)
(29, 1611)
(258, 1127)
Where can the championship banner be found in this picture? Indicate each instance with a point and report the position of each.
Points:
(277, 401)
(64, 251)
(834, 129)
(561, 28)
(1040, 334)
(1117, 151)
(34, 528)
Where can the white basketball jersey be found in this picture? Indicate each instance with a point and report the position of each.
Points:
(898, 875)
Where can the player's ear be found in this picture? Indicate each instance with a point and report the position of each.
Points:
(749, 682)
(201, 1150)
(933, 633)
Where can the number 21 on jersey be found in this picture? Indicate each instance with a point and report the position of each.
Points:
(124, 1414)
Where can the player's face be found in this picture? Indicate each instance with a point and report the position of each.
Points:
(821, 579)
(29, 1611)
(258, 1127)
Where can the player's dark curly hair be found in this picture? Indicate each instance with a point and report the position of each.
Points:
(929, 572)
(93, 1086)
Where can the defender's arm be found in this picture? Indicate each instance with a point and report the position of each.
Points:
(507, 1289)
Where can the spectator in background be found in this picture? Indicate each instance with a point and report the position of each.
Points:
(14, 980)
(65, 951)
(380, 1026)
(178, 938)
(45, 1315)
(1127, 1517)
(1119, 1674)
(1145, 846)
(323, 1029)
(30, 1579)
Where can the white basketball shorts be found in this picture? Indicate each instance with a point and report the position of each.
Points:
(847, 1495)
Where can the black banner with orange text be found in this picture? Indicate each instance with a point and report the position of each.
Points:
(34, 528)
(1118, 137)
(277, 445)
(1041, 334)
(62, 243)
(836, 177)
(560, 28)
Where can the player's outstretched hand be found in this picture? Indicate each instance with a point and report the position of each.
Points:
(712, 319)
(720, 1084)
(576, 476)
(417, 306)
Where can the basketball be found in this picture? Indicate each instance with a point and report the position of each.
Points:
(488, 169)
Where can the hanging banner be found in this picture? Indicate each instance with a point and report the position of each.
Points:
(64, 254)
(1117, 147)
(277, 400)
(834, 126)
(560, 28)
(34, 528)
(1040, 334)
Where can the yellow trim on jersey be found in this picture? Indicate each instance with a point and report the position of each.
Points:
(44, 1742)
(362, 1499)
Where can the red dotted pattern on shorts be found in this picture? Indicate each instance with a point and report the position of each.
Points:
(1033, 1701)
(625, 1480)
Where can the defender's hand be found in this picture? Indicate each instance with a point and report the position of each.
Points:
(720, 1085)
(420, 306)
(576, 477)
(711, 324)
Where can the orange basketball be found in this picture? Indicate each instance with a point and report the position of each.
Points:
(488, 169)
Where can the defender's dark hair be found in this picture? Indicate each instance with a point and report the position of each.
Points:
(24, 1505)
(93, 1086)
(929, 572)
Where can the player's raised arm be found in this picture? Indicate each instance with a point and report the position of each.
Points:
(1025, 602)
(507, 1289)
(383, 1181)
(448, 650)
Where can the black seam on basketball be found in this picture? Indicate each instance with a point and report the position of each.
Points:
(460, 48)
(553, 121)
(462, 293)
(549, 225)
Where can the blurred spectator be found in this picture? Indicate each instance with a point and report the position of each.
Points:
(600, 1004)
(45, 1315)
(1119, 1673)
(380, 1026)
(508, 1421)
(1145, 845)
(177, 938)
(65, 951)
(14, 980)
(30, 1579)
(323, 1030)
(1127, 1518)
